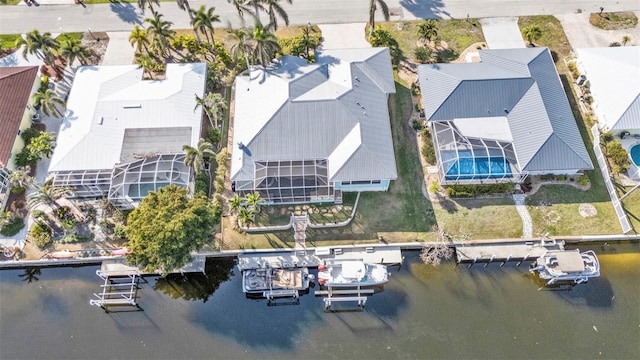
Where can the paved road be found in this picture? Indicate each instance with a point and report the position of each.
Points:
(122, 16)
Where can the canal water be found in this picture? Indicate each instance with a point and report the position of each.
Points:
(424, 312)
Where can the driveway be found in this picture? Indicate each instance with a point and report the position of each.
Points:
(502, 33)
(582, 34)
(119, 50)
(344, 36)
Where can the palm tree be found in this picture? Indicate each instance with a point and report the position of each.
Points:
(213, 105)
(428, 30)
(147, 3)
(235, 203)
(202, 21)
(20, 177)
(373, 6)
(45, 195)
(138, 39)
(254, 200)
(240, 48)
(241, 6)
(195, 157)
(41, 45)
(532, 33)
(73, 49)
(264, 43)
(48, 101)
(625, 39)
(160, 32)
(274, 10)
(246, 216)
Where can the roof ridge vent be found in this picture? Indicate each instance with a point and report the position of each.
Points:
(132, 106)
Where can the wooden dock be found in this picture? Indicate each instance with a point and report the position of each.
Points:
(375, 254)
(277, 260)
(504, 252)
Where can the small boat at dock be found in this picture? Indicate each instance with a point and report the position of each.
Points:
(269, 282)
(566, 266)
(351, 273)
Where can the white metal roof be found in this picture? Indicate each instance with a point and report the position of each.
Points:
(614, 77)
(105, 101)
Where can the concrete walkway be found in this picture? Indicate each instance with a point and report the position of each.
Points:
(344, 36)
(527, 224)
(119, 51)
(502, 33)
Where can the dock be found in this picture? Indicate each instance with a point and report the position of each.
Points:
(375, 254)
(120, 286)
(277, 260)
(357, 295)
(505, 252)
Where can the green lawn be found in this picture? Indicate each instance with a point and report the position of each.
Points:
(631, 205)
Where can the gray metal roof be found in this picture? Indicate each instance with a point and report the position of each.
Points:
(521, 85)
(319, 107)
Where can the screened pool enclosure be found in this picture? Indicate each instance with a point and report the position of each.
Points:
(472, 160)
(128, 183)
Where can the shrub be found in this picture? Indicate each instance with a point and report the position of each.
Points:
(434, 187)
(17, 190)
(29, 134)
(120, 231)
(63, 212)
(573, 68)
(583, 180)
(422, 54)
(618, 156)
(201, 183)
(615, 44)
(73, 238)
(475, 190)
(606, 137)
(68, 224)
(38, 214)
(107, 226)
(428, 150)
(26, 158)
(13, 226)
(417, 125)
(42, 235)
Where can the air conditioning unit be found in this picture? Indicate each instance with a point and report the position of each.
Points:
(581, 79)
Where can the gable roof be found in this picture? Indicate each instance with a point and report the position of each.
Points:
(110, 106)
(521, 85)
(614, 77)
(334, 109)
(16, 84)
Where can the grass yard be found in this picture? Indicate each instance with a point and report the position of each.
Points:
(553, 37)
(614, 20)
(458, 34)
(631, 205)
(481, 218)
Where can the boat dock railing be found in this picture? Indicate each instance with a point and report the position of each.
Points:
(357, 295)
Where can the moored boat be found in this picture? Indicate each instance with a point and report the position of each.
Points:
(350, 273)
(566, 266)
(265, 281)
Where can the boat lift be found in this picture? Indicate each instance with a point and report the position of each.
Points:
(120, 288)
(357, 294)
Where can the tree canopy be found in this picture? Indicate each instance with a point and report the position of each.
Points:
(166, 227)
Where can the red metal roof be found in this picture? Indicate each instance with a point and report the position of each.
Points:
(15, 89)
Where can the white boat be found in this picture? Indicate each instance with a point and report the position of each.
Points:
(566, 266)
(265, 282)
(350, 273)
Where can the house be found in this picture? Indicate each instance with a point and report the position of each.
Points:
(501, 119)
(122, 136)
(17, 84)
(612, 76)
(308, 132)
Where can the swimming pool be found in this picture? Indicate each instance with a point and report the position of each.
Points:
(634, 152)
(479, 168)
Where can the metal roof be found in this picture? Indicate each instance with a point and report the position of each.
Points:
(614, 80)
(294, 111)
(108, 103)
(519, 84)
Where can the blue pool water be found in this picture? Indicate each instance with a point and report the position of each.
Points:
(635, 154)
(483, 167)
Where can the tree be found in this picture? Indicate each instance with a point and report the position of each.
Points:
(254, 201)
(433, 253)
(382, 37)
(428, 30)
(167, 227)
(235, 204)
(625, 40)
(532, 33)
(373, 6)
(147, 3)
(20, 177)
(213, 105)
(138, 39)
(274, 10)
(246, 216)
(240, 48)
(160, 32)
(42, 145)
(41, 45)
(45, 195)
(264, 43)
(241, 6)
(72, 49)
(195, 157)
(202, 21)
(49, 101)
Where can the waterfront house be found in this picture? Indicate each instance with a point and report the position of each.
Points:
(17, 85)
(501, 119)
(122, 136)
(308, 132)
